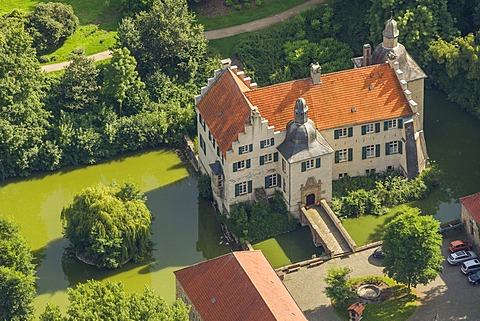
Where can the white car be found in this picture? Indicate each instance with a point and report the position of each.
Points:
(460, 257)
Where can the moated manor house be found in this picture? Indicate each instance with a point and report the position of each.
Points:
(298, 136)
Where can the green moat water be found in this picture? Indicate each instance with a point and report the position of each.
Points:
(184, 229)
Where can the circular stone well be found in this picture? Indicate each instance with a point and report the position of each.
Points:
(369, 291)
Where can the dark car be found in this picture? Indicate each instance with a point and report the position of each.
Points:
(378, 253)
(474, 278)
(459, 245)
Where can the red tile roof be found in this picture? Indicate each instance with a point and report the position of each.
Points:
(238, 286)
(472, 204)
(357, 307)
(225, 109)
(373, 91)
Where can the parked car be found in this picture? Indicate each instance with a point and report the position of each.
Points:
(459, 245)
(378, 253)
(470, 266)
(459, 257)
(474, 278)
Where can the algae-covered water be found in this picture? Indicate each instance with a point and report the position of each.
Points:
(184, 228)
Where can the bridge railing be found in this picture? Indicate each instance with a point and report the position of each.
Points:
(351, 243)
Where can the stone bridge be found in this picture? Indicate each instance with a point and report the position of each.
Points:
(327, 231)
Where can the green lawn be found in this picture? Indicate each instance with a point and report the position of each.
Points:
(289, 248)
(98, 19)
(268, 8)
(401, 305)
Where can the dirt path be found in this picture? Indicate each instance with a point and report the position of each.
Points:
(215, 34)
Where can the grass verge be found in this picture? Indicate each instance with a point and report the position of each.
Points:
(99, 20)
(399, 307)
(267, 9)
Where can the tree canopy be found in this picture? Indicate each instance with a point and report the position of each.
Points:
(17, 274)
(411, 243)
(108, 225)
(165, 38)
(338, 289)
(96, 301)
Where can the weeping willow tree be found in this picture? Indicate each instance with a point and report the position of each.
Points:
(108, 225)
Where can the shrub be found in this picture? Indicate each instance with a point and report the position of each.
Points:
(43, 59)
(205, 186)
(260, 219)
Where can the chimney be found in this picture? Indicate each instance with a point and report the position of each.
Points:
(247, 81)
(367, 55)
(315, 73)
(234, 69)
(253, 85)
(226, 63)
(241, 75)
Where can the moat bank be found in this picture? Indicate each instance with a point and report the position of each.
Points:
(184, 229)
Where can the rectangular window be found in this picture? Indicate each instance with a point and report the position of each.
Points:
(393, 147)
(367, 129)
(242, 188)
(342, 155)
(342, 133)
(245, 149)
(390, 124)
(220, 181)
(342, 175)
(309, 164)
(268, 158)
(241, 165)
(271, 181)
(267, 142)
(370, 151)
(284, 165)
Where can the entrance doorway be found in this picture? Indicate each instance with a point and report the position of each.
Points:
(310, 199)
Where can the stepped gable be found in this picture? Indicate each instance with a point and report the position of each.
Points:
(472, 204)
(343, 98)
(238, 286)
(225, 109)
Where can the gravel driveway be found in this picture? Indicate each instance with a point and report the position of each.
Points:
(450, 295)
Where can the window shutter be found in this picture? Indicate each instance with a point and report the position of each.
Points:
(400, 123)
(250, 147)
(385, 125)
(377, 127)
(237, 189)
(240, 150)
(275, 157)
(350, 131)
(249, 186)
(209, 136)
(304, 166)
(364, 152)
(279, 180)
(400, 147)
(335, 134)
(248, 163)
(377, 150)
(214, 143)
(337, 156)
(267, 185)
(262, 144)
(272, 141)
(262, 160)
(203, 124)
(218, 151)
(350, 154)
(235, 167)
(317, 162)
(387, 148)
(364, 130)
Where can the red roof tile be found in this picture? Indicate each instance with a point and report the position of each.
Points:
(373, 91)
(357, 307)
(472, 204)
(238, 286)
(225, 109)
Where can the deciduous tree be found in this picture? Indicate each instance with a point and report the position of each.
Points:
(98, 301)
(412, 248)
(337, 289)
(108, 225)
